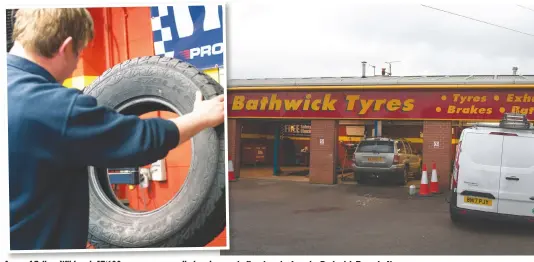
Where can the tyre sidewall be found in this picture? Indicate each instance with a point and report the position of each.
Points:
(120, 227)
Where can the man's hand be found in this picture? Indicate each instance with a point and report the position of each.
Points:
(212, 111)
(206, 114)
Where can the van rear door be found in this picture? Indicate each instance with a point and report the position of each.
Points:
(479, 171)
(516, 196)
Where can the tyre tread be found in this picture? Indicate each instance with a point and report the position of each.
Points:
(211, 217)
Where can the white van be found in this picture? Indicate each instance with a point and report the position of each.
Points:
(493, 174)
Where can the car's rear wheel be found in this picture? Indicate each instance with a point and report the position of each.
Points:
(403, 178)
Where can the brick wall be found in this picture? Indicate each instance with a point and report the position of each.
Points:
(234, 143)
(441, 132)
(323, 156)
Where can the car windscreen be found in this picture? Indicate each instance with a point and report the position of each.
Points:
(375, 147)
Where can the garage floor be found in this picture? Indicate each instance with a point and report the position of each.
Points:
(348, 179)
(267, 173)
(270, 217)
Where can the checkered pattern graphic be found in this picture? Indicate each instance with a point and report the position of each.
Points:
(170, 23)
(161, 28)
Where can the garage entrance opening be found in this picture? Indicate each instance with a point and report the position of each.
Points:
(275, 149)
(380, 146)
(382, 139)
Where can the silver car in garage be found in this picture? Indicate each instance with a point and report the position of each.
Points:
(385, 159)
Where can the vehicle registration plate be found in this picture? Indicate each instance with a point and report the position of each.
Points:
(375, 159)
(477, 201)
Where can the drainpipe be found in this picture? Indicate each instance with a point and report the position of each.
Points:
(276, 167)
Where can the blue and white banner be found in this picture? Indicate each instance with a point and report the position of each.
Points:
(190, 33)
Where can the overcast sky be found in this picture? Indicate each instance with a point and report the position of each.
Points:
(325, 40)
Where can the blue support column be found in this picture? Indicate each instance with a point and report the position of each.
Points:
(376, 129)
(276, 167)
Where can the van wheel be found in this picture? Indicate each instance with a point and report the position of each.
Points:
(455, 218)
(197, 213)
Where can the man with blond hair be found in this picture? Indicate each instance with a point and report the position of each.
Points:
(55, 132)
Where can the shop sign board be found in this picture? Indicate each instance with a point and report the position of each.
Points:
(193, 33)
(423, 104)
(296, 130)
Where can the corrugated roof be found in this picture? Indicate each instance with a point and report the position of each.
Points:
(386, 80)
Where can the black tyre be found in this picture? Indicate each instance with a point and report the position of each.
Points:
(197, 213)
(10, 23)
(403, 177)
(455, 218)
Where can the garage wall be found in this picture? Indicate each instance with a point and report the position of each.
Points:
(253, 135)
(323, 155)
(120, 34)
(286, 157)
(437, 148)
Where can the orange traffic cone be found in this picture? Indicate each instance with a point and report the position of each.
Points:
(424, 190)
(434, 183)
(231, 176)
